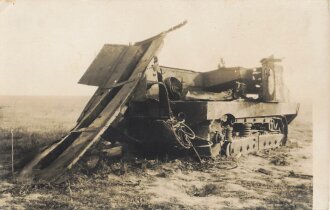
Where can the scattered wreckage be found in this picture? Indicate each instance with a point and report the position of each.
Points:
(226, 111)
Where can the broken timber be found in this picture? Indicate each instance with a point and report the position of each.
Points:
(116, 71)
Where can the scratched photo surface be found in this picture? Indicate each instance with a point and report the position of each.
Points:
(56, 57)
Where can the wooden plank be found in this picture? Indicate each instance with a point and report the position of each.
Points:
(126, 62)
(122, 68)
(100, 117)
(108, 116)
(91, 103)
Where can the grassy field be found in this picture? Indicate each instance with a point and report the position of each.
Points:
(273, 179)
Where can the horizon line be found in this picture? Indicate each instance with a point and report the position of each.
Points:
(46, 95)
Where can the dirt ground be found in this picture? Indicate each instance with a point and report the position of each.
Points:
(273, 179)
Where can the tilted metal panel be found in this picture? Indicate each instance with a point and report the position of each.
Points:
(52, 162)
(70, 148)
(113, 111)
(111, 60)
(102, 66)
(119, 74)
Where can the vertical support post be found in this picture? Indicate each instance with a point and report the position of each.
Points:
(12, 152)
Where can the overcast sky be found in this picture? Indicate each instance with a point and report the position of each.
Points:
(46, 46)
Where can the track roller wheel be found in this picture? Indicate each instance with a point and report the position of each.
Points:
(228, 147)
(225, 149)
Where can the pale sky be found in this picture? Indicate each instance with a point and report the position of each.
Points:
(46, 46)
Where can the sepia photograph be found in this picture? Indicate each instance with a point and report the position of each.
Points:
(164, 104)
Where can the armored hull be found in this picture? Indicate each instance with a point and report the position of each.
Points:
(254, 126)
(220, 112)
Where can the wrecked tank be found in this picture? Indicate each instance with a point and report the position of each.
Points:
(226, 111)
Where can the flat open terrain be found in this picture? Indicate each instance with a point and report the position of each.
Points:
(273, 179)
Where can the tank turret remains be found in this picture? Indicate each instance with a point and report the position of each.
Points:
(226, 111)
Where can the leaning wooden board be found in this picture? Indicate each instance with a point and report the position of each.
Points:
(117, 71)
(49, 166)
